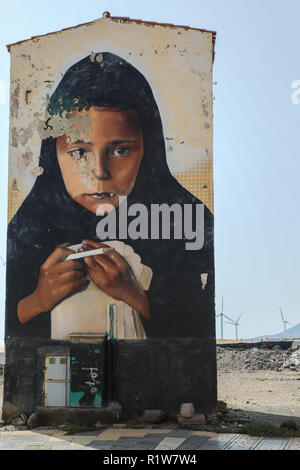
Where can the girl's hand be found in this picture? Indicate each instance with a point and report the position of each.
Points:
(57, 279)
(113, 275)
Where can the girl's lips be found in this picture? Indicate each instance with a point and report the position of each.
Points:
(100, 196)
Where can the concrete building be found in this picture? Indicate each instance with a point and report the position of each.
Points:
(109, 118)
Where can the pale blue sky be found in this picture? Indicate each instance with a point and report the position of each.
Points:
(256, 140)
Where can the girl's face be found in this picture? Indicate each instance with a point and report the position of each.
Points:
(100, 156)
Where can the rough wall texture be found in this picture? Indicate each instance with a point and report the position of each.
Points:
(23, 373)
(169, 373)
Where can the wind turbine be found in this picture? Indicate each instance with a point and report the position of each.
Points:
(236, 324)
(284, 324)
(222, 315)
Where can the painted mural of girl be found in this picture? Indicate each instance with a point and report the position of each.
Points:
(105, 141)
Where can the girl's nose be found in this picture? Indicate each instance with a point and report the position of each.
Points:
(101, 171)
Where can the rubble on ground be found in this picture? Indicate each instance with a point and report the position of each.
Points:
(254, 359)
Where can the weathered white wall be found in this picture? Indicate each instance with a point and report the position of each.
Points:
(177, 63)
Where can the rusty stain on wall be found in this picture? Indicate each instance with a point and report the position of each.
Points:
(27, 93)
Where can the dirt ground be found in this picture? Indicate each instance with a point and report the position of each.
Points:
(268, 395)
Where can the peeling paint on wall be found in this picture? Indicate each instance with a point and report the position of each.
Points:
(170, 51)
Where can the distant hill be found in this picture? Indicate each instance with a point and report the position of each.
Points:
(293, 332)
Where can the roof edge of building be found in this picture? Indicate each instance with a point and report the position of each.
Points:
(114, 18)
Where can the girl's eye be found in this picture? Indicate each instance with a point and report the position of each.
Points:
(77, 154)
(120, 151)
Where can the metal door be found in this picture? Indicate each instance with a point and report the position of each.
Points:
(57, 380)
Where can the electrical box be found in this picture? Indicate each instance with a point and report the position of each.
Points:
(57, 380)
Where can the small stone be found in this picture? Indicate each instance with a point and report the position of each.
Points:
(24, 418)
(114, 405)
(154, 416)
(213, 420)
(9, 412)
(9, 428)
(187, 410)
(35, 420)
(115, 408)
(17, 422)
(289, 424)
(222, 405)
(228, 419)
(198, 418)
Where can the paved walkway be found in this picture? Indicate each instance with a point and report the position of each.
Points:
(139, 439)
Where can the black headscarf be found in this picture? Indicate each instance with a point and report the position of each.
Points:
(49, 216)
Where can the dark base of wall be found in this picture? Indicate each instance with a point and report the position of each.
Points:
(83, 416)
(147, 374)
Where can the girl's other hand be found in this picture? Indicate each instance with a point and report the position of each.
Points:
(113, 275)
(57, 279)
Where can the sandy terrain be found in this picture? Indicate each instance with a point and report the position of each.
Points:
(276, 393)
